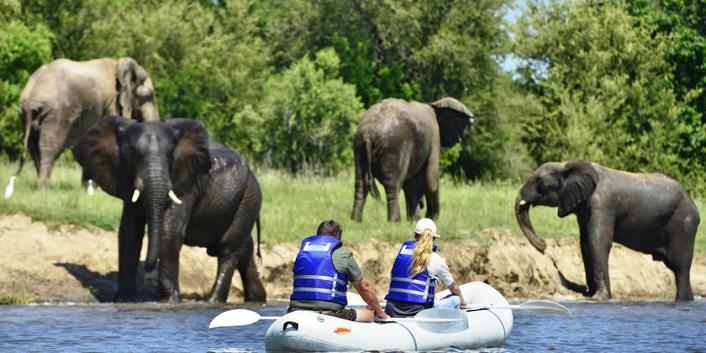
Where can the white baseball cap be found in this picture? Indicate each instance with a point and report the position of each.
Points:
(426, 223)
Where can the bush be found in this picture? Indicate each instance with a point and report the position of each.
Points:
(22, 51)
(309, 116)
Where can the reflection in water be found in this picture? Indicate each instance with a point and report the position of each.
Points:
(603, 327)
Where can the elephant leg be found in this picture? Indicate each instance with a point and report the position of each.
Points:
(252, 285)
(393, 207)
(431, 190)
(413, 191)
(236, 246)
(360, 188)
(224, 276)
(132, 230)
(361, 193)
(596, 242)
(33, 148)
(681, 232)
(52, 140)
(170, 242)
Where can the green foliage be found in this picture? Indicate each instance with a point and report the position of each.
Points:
(605, 92)
(309, 115)
(206, 63)
(22, 50)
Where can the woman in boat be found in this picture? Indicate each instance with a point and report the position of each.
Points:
(322, 270)
(415, 273)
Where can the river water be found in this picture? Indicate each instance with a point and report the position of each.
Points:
(595, 327)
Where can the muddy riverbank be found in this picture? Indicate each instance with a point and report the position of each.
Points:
(79, 265)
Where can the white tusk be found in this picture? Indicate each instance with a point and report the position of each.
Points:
(523, 202)
(135, 195)
(91, 190)
(174, 198)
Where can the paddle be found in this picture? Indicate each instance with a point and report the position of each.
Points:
(242, 317)
(538, 306)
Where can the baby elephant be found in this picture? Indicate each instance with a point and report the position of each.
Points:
(650, 213)
(187, 191)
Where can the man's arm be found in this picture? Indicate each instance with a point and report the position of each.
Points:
(367, 292)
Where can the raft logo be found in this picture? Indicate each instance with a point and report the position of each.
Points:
(342, 330)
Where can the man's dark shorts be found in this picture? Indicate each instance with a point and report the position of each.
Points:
(346, 314)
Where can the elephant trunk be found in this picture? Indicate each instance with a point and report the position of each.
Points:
(156, 189)
(149, 111)
(522, 214)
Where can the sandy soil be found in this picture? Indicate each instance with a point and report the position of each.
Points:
(79, 265)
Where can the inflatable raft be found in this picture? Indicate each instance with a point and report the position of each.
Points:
(312, 332)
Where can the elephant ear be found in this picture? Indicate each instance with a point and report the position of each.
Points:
(97, 151)
(453, 118)
(128, 78)
(191, 156)
(580, 180)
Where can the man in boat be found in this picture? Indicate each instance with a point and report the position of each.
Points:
(322, 270)
(415, 273)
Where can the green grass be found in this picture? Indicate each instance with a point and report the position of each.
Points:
(18, 299)
(294, 206)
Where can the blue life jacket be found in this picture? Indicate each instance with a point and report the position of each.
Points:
(315, 277)
(418, 289)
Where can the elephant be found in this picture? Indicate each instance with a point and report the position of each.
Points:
(64, 98)
(650, 213)
(217, 206)
(399, 144)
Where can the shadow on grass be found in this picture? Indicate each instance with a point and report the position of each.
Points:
(104, 287)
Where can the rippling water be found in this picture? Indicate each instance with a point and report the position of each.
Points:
(595, 327)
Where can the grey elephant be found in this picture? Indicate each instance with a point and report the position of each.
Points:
(64, 98)
(650, 213)
(187, 190)
(399, 144)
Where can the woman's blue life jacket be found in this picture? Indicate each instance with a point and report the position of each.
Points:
(315, 277)
(418, 289)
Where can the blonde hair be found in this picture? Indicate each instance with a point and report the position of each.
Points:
(422, 253)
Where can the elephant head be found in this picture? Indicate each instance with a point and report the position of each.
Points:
(136, 98)
(563, 185)
(454, 120)
(145, 164)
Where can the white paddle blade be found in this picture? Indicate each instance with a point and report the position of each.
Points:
(546, 307)
(538, 306)
(237, 317)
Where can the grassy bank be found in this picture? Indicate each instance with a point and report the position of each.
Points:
(294, 206)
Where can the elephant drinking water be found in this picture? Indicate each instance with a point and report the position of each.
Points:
(650, 213)
(399, 144)
(186, 190)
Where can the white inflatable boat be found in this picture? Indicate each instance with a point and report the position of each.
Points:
(482, 327)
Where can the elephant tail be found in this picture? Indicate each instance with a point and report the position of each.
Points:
(257, 224)
(368, 178)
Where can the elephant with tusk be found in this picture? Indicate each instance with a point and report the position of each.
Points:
(187, 190)
(650, 213)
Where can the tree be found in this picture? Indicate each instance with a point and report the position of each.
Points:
(22, 50)
(603, 83)
(309, 115)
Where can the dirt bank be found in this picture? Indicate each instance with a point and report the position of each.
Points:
(79, 265)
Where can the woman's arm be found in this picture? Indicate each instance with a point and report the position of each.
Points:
(456, 290)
